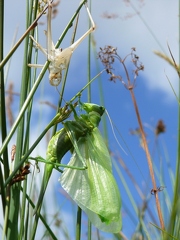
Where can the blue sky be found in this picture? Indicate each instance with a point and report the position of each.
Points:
(155, 97)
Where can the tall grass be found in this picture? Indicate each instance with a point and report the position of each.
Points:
(19, 174)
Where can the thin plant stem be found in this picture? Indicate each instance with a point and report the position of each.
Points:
(100, 87)
(89, 94)
(148, 158)
(80, 92)
(175, 204)
(89, 63)
(89, 229)
(3, 109)
(78, 224)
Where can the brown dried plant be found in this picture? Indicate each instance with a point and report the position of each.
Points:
(108, 56)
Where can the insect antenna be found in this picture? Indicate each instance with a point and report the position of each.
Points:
(112, 127)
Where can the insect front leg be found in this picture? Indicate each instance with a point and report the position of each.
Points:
(37, 45)
(76, 44)
(48, 33)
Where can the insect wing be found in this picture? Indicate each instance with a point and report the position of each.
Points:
(94, 189)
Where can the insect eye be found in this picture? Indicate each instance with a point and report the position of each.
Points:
(101, 108)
